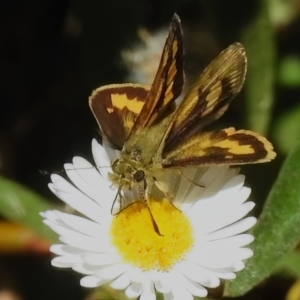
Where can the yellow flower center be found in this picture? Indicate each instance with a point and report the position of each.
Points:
(134, 234)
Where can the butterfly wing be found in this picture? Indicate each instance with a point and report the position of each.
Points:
(210, 96)
(223, 147)
(168, 81)
(208, 99)
(122, 109)
(116, 107)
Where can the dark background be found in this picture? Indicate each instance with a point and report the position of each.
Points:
(53, 53)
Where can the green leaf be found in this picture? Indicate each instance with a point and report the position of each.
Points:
(277, 231)
(290, 265)
(289, 71)
(259, 42)
(19, 204)
(286, 131)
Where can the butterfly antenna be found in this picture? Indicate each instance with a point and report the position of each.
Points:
(191, 181)
(47, 172)
(44, 172)
(85, 168)
(118, 194)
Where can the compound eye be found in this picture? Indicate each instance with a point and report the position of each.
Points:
(139, 175)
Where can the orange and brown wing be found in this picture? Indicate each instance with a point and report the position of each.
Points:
(223, 147)
(116, 108)
(210, 96)
(168, 81)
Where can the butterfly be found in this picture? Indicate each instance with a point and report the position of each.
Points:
(156, 137)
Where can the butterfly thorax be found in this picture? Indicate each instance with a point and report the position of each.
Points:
(138, 158)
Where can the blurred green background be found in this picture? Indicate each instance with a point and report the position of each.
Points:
(53, 53)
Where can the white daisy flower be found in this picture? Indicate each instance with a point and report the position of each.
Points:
(202, 237)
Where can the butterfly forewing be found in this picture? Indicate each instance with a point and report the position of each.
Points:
(116, 108)
(168, 82)
(210, 96)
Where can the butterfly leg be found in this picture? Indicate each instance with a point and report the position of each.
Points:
(147, 199)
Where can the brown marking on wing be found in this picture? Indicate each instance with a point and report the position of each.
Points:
(116, 108)
(168, 81)
(210, 96)
(224, 147)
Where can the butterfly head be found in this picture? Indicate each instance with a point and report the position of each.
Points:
(126, 174)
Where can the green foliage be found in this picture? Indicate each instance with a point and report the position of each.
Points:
(277, 231)
(289, 71)
(23, 206)
(282, 11)
(259, 86)
(286, 131)
(290, 265)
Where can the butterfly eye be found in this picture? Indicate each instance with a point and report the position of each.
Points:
(139, 175)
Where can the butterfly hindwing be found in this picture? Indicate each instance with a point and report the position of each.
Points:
(116, 107)
(223, 147)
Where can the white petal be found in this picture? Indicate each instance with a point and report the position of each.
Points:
(162, 283)
(66, 261)
(223, 275)
(113, 154)
(82, 225)
(193, 287)
(91, 281)
(235, 267)
(148, 292)
(88, 243)
(112, 271)
(188, 192)
(71, 234)
(212, 257)
(192, 271)
(221, 217)
(87, 179)
(233, 229)
(51, 187)
(121, 283)
(102, 259)
(52, 216)
(242, 195)
(213, 180)
(60, 249)
(135, 275)
(197, 273)
(76, 199)
(179, 292)
(233, 242)
(133, 290)
(231, 187)
(238, 266)
(244, 253)
(101, 159)
(85, 269)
